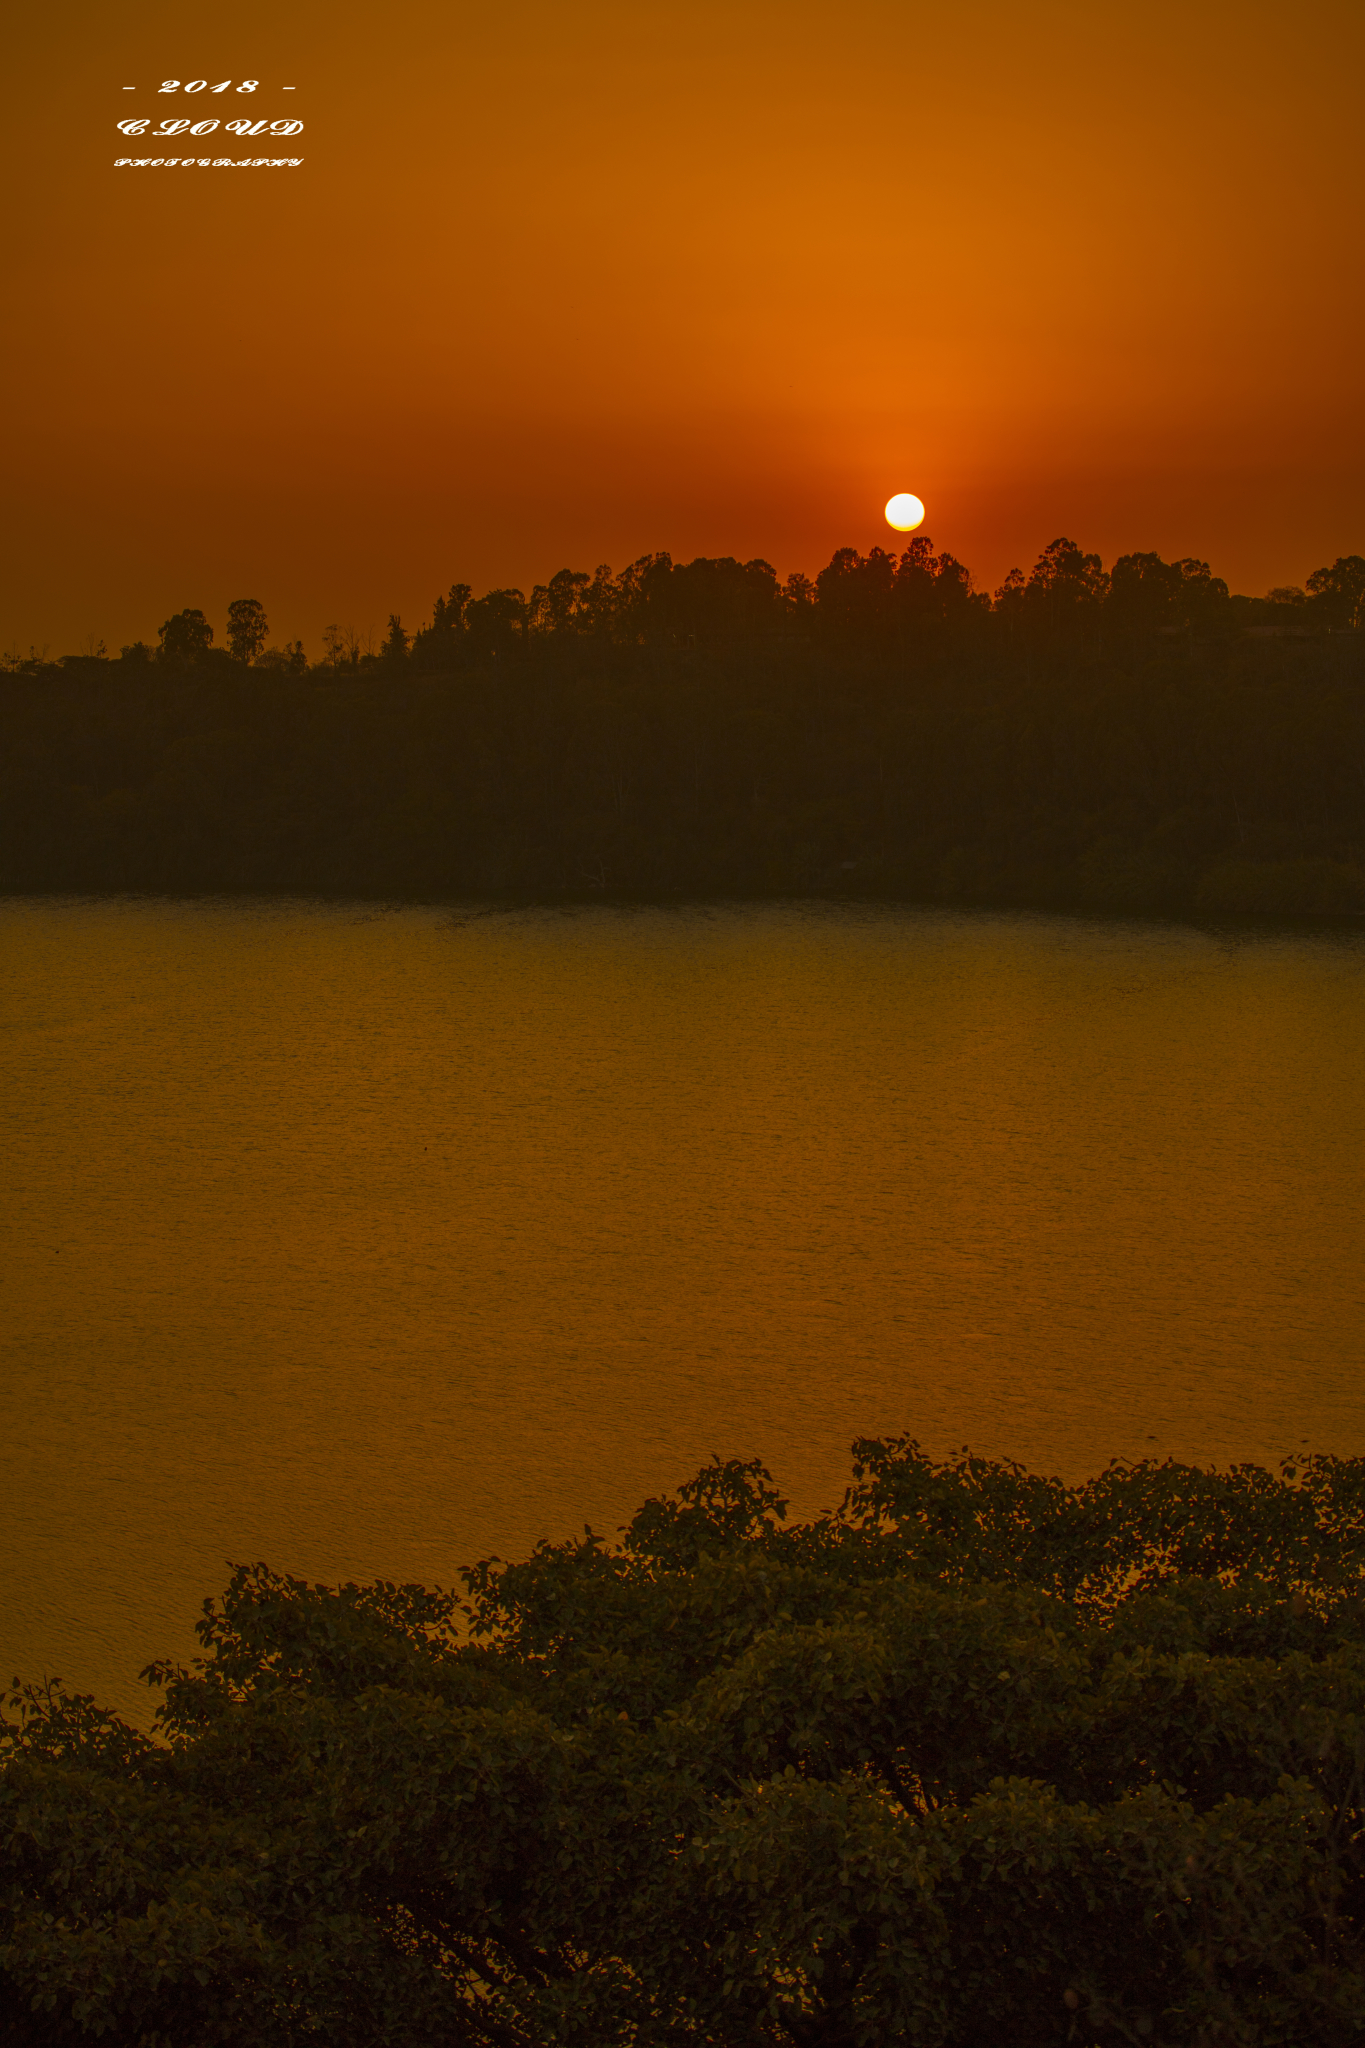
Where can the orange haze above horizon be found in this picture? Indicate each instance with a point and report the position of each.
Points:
(564, 284)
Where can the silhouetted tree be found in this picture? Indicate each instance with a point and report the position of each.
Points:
(290, 658)
(185, 637)
(1065, 592)
(1203, 597)
(395, 649)
(496, 623)
(712, 602)
(1338, 593)
(853, 592)
(1143, 593)
(1148, 595)
(440, 646)
(558, 606)
(1008, 609)
(246, 628)
(913, 585)
(449, 611)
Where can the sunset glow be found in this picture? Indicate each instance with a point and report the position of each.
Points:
(583, 283)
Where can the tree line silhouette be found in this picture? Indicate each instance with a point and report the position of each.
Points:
(1137, 739)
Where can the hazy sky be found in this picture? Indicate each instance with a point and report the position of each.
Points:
(562, 283)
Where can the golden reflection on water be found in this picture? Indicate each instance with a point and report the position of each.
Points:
(371, 1242)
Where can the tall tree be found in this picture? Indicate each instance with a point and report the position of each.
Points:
(246, 628)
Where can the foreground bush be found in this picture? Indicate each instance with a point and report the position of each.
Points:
(979, 1759)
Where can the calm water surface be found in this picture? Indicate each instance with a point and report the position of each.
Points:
(372, 1242)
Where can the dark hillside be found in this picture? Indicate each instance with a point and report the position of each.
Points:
(1134, 742)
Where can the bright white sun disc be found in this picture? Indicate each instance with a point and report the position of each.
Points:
(904, 511)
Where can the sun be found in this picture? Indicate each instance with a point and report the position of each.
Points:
(903, 512)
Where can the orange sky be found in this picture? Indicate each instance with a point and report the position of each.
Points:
(558, 284)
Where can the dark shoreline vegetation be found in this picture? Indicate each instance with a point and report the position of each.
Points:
(1136, 740)
(976, 1759)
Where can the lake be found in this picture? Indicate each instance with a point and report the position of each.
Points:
(371, 1241)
